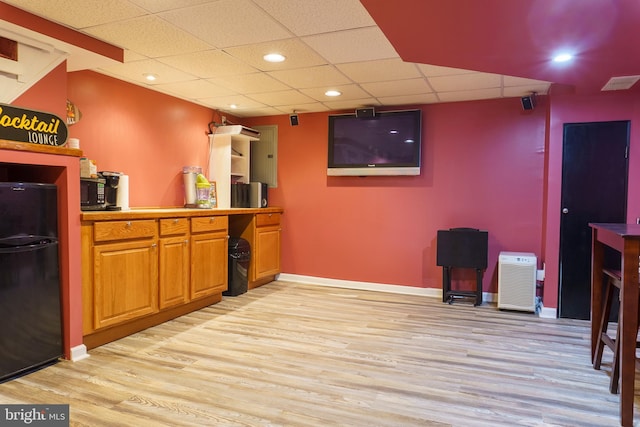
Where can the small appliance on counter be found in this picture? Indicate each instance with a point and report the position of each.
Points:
(112, 180)
(259, 194)
(92, 194)
(240, 195)
(190, 175)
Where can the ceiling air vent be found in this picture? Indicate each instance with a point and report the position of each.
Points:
(621, 83)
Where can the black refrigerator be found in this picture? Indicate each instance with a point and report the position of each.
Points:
(30, 309)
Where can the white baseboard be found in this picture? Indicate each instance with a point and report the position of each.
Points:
(545, 312)
(369, 286)
(79, 352)
(548, 313)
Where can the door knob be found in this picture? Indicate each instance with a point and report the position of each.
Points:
(565, 210)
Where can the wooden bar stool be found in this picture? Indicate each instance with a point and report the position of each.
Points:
(614, 279)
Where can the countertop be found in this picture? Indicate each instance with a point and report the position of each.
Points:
(171, 212)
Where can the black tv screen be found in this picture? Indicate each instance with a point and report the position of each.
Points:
(386, 144)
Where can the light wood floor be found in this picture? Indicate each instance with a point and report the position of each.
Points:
(294, 355)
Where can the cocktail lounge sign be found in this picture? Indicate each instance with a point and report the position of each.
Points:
(35, 127)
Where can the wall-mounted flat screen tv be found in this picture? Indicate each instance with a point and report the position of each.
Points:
(386, 144)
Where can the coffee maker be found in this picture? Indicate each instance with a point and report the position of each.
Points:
(112, 179)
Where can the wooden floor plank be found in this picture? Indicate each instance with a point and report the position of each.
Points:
(289, 354)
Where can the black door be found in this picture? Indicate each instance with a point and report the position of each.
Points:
(594, 189)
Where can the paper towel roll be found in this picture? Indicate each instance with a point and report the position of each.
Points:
(122, 199)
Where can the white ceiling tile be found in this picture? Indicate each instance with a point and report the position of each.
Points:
(251, 83)
(88, 14)
(349, 92)
(423, 98)
(196, 89)
(162, 5)
(130, 56)
(436, 70)
(210, 52)
(298, 55)
(465, 82)
(321, 76)
(318, 16)
(379, 71)
(207, 64)
(286, 97)
(351, 104)
(226, 23)
(363, 44)
(225, 102)
(519, 81)
(301, 109)
(396, 88)
(149, 36)
(134, 71)
(468, 95)
(255, 111)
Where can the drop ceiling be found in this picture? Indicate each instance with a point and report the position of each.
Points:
(414, 51)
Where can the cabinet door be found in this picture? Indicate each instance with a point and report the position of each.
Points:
(208, 264)
(125, 281)
(174, 271)
(266, 254)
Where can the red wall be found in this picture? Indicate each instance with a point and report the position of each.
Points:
(486, 164)
(607, 106)
(147, 135)
(482, 167)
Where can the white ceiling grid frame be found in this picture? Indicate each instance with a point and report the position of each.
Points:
(210, 52)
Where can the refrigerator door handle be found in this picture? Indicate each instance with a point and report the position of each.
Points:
(44, 243)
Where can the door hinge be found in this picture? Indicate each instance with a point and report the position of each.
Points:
(626, 152)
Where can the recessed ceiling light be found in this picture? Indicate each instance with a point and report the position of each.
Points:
(274, 57)
(563, 57)
(150, 77)
(333, 93)
(234, 106)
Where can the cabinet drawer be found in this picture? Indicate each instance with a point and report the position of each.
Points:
(118, 230)
(173, 226)
(209, 223)
(267, 219)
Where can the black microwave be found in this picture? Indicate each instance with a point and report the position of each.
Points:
(92, 194)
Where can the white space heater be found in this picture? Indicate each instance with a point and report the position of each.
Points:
(517, 281)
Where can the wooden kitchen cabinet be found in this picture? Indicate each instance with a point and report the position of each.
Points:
(263, 232)
(267, 245)
(209, 243)
(174, 262)
(125, 271)
(145, 266)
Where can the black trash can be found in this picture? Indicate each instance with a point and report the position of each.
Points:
(239, 258)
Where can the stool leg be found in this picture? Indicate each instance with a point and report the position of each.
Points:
(615, 365)
(604, 323)
(615, 368)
